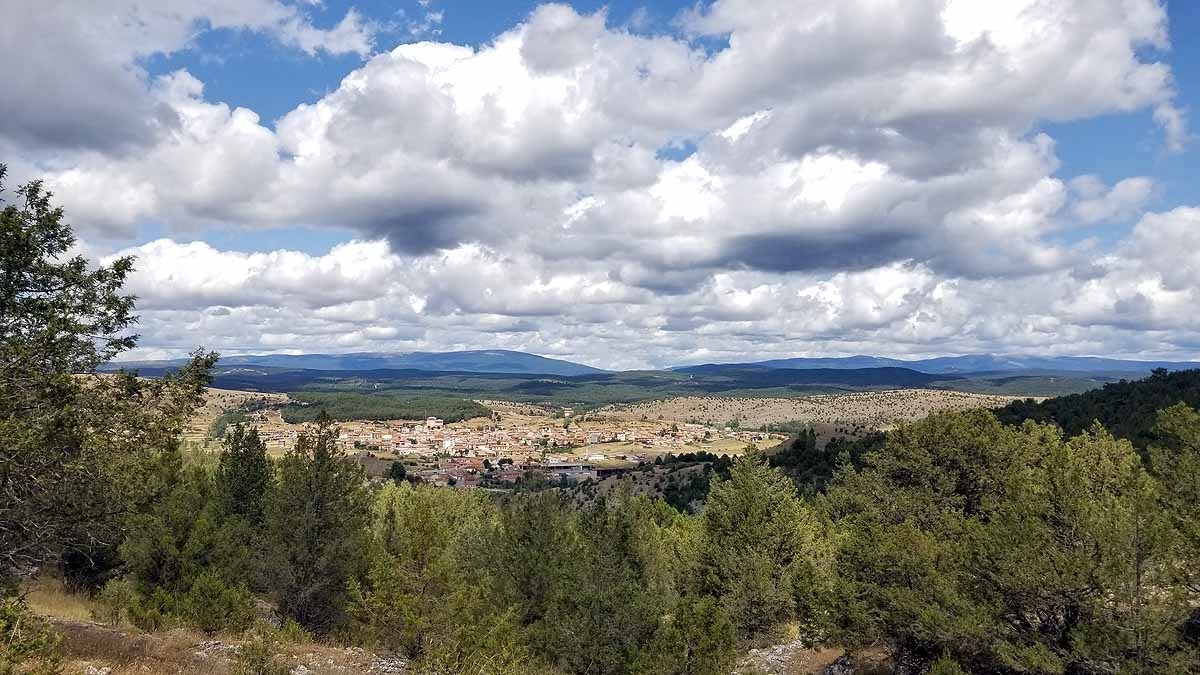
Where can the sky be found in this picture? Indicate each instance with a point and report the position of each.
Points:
(629, 184)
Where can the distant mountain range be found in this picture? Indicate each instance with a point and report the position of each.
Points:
(477, 361)
(979, 363)
(505, 361)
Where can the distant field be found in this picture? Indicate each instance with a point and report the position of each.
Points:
(863, 411)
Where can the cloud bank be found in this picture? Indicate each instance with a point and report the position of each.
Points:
(775, 178)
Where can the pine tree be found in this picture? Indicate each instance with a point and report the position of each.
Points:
(316, 520)
(1007, 550)
(760, 547)
(244, 476)
(408, 602)
(78, 453)
(1175, 462)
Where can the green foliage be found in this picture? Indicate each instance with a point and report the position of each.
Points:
(1009, 550)
(812, 468)
(290, 632)
(414, 573)
(762, 551)
(258, 653)
(28, 646)
(618, 583)
(945, 666)
(308, 406)
(213, 606)
(114, 601)
(186, 565)
(76, 449)
(1128, 409)
(398, 473)
(244, 476)
(697, 638)
(316, 528)
(1175, 462)
(684, 490)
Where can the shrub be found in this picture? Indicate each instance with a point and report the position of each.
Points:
(27, 643)
(213, 606)
(114, 601)
(257, 655)
(290, 632)
(153, 613)
(945, 666)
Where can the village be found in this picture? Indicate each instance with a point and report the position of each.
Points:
(517, 442)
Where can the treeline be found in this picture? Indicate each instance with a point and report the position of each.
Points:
(689, 477)
(307, 406)
(1126, 408)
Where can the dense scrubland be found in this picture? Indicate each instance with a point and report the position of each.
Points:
(960, 544)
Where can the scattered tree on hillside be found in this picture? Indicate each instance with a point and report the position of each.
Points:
(316, 524)
(1128, 409)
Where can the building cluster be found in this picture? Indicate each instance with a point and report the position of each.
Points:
(523, 439)
(508, 448)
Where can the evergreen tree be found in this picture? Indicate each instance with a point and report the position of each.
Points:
(1007, 550)
(761, 550)
(185, 566)
(244, 476)
(78, 453)
(316, 523)
(1175, 461)
(415, 572)
(533, 550)
(619, 583)
(398, 473)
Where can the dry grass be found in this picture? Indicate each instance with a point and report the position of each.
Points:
(49, 598)
(127, 651)
(175, 652)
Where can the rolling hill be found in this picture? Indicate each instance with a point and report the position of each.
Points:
(977, 364)
(475, 361)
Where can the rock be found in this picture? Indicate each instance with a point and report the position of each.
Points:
(215, 648)
(93, 670)
(389, 664)
(843, 666)
(300, 670)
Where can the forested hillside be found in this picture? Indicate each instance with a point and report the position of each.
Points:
(1126, 408)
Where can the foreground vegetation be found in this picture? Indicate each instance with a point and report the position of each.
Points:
(961, 544)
